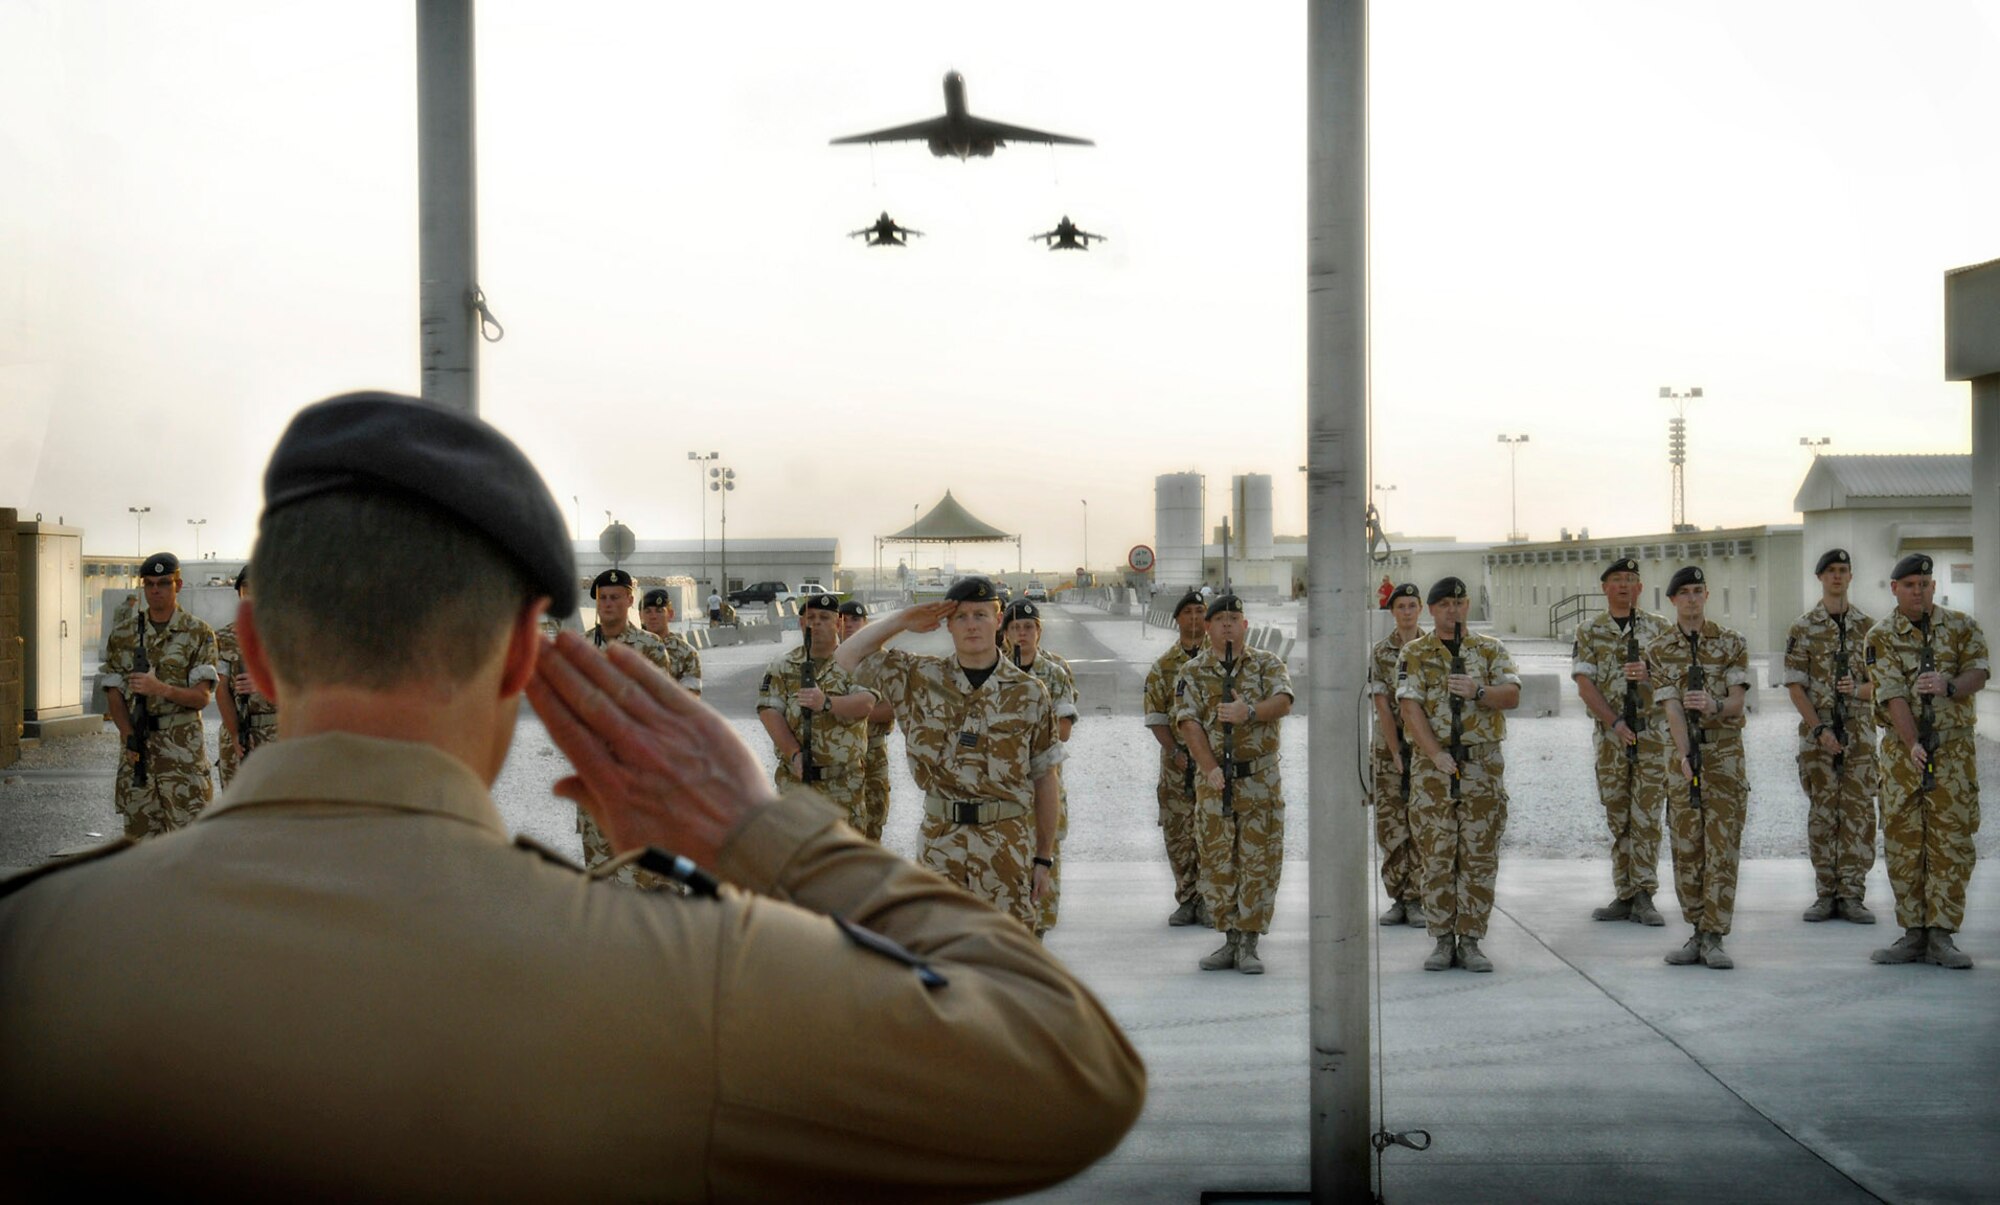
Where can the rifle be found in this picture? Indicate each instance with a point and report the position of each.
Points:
(1697, 680)
(1926, 722)
(1457, 747)
(142, 715)
(1632, 720)
(1228, 731)
(807, 680)
(1841, 668)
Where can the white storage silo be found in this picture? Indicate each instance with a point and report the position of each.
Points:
(1177, 528)
(1252, 496)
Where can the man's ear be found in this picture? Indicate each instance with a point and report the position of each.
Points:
(256, 661)
(524, 647)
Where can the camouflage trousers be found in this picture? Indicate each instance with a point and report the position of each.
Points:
(597, 851)
(846, 788)
(1242, 854)
(992, 861)
(1400, 877)
(263, 731)
(1840, 815)
(1045, 912)
(1458, 840)
(1633, 792)
(877, 790)
(177, 787)
(1708, 840)
(1177, 808)
(1927, 835)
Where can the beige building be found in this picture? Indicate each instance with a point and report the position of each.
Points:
(1881, 508)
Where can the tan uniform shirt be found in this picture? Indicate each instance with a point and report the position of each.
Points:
(683, 662)
(1811, 649)
(1725, 663)
(1423, 673)
(966, 744)
(1159, 697)
(649, 645)
(344, 982)
(1198, 691)
(1382, 661)
(839, 746)
(1602, 648)
(1895, 651)
(1054, 674)
(181, 654)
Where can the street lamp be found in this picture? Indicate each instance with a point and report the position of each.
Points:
(197, 524)
(1086, 533)
(139, 527)
(1513, 443)
(576, 523)
(700, 459)
(722, 480)
(1815, 444)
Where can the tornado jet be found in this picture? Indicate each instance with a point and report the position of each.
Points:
(886, 232)
(1067, 237)
(958, 132)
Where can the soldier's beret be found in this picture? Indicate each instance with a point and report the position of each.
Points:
(1689, 575)
(977, 588)
(610, 577)
(1623, 564)
(1023, 610)
(854, 607)
(1449, 587)
(1191, 599)
(656, 597)
(162, 564)
(390, 443)
(1832, 556)
(1914, 565)
(820, 602)
(242, 578)
(1225, 603)
(1406, 590)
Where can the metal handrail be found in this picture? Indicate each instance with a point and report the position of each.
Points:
(1577, 607)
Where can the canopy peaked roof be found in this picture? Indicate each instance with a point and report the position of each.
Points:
(950, 523)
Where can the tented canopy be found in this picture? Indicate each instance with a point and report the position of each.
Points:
(949, 523)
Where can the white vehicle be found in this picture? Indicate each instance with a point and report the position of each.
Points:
(808, 589)
(1036, 592)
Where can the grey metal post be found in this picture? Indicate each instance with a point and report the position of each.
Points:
(447, 204)
(1337, 607)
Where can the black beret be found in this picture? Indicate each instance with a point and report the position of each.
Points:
(1690, 575)
(610, 577)
(976, 588)
(1225, 602)
(820, 602)
(656, 597)
(162, 564)
(1449, 587)
(1023, 610)
(1832, 556)
(1912, 565)
(854, 607)
(242, 578)
(1406, 590)
(1191, 599)
(386, 442)
(1623, 564)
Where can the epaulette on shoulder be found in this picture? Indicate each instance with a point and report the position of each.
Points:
(547, 854)
(63, 861)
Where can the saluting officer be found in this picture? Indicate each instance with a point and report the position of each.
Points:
(1227, 704)
(1927, 662)
(656, 615)
(1707, 790)
(1826, 675)
(1022, 628)
(1389, 762)
(981, 738)
(611, 591)
(249, 719)
(1608, 665)
(1175, 788)
(180, 656)
(1452, 685)
(838, 707)
(854, 617)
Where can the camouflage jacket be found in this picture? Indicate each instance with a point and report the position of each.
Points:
(228, 664)
(1895, 650)
(966, 744)
(1198, 692)
(1159, 700)
(1382, 681)
(181, 654)
(1054, 674)
(1725, 664)
(1810, 649)
(639, 638)
(878, 730)
(1422, 673)
(1600, 650)
(836, 742)
(683, 662)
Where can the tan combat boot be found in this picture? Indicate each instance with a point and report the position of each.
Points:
(1414, 909)
(1615, 910)
(1471, 959)
(1822, 909)
(1396, 915)
(1185, 914)
(1713, 956)
(1853, 911)
(1441, 958)
(1908, 948)
(1688, 954)
(1940, 951)
(1643, 911)
(1247, 961)
(1224, 957)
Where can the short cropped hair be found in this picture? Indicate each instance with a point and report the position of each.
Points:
(380, 590)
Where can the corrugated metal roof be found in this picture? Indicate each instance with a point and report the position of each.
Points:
(1901, 476)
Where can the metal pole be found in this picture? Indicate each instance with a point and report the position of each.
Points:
(1338, 603)
(1986, 520)
(447, 204)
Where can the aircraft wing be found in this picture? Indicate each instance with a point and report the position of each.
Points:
(916, 131)
(918, 233)
(1002, 132)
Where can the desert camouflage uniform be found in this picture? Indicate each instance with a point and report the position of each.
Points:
(983, 747)
(876, 788)
(1707, 840)
(1054, 674)
(683, 662)
(260, 713)
(1242, 852)
(1392, 797)
(1840, 815)
(1631, 779)
(839, 747)
(1927, 834)
(178, 785)
(1175, 789)
(596, 848)
(1458, 840)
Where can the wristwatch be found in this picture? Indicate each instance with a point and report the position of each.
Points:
(1049, 863)
(1818, 731)
(826, 703)
(1950, 688)
(1479, 694)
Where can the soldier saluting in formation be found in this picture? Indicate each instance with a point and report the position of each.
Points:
(1455, 683)
(1390, 760)
(817, 716)
(1927, 662)
(164, 659)
(1175, 788)
(1826, 675)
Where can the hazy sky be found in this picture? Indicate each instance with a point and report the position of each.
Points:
(209, 220)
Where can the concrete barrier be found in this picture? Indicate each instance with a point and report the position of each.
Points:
(1542, 695)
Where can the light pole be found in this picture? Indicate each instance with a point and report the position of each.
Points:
(197, 524)
(1086, 533)
(1815, 444)
(700, 459)
(576, 521)
(1513, 442)
(139, 528)
(722, 480)
(1677, 446)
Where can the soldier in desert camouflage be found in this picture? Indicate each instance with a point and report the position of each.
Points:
(238, 699)
(179, 654)
(881, 721)
(1022, 631)
(1826, 676)
(832, 713)
(611, 591)
(1175, 786)
(1389, 763)
(656, 616)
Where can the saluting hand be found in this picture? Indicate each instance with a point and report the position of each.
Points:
(927, 617)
